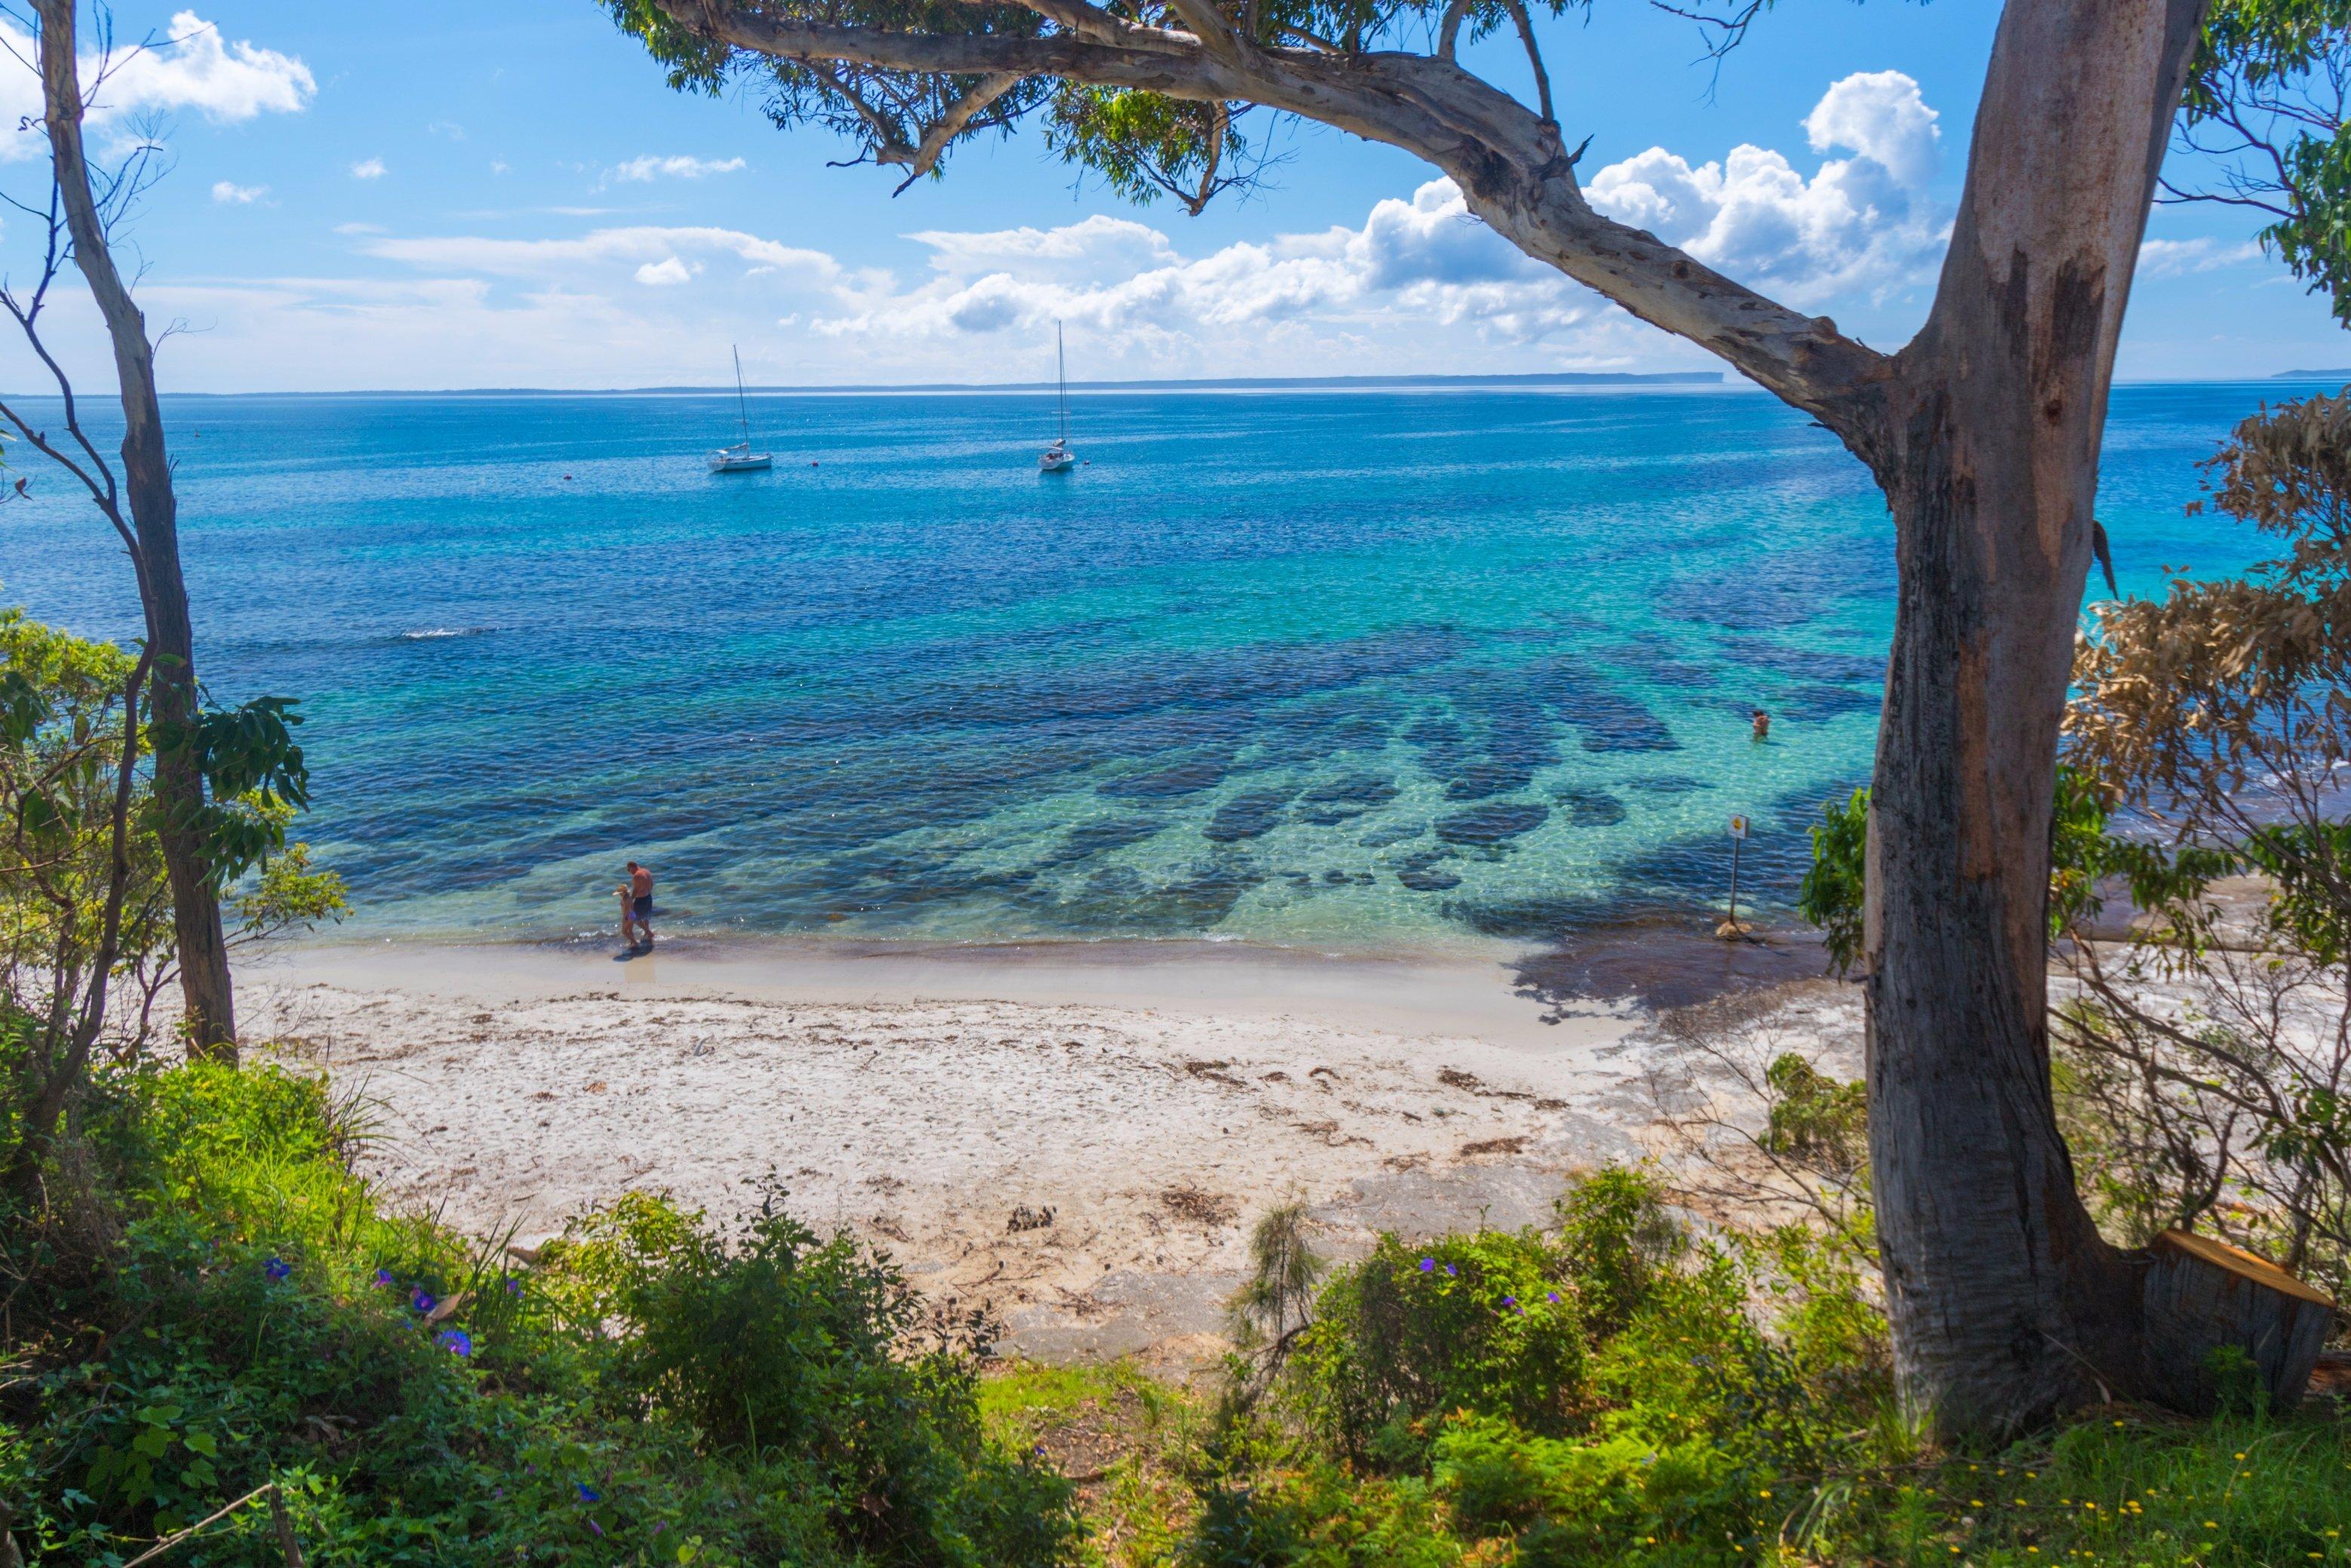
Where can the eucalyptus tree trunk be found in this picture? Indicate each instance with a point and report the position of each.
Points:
(2006, 1304)
(211, 1015)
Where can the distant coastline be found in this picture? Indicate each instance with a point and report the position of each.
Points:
(1221, 383)
(2344, 375)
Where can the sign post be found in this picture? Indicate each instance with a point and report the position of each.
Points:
(1731, 931)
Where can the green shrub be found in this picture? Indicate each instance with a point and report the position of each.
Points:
(1485, 1322)
(774, 1341)
(1615, 1239)
(262, 1320)
(1814, 1117)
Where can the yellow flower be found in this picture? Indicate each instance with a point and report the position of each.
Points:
(1765, 1493)
(2241, 1455)
(2210, 1525)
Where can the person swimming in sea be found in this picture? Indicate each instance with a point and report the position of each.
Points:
(1762, 725)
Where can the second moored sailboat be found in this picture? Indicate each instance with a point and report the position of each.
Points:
(1058, 458)
(739, 458)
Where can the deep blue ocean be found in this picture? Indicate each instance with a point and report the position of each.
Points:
(1353, 669)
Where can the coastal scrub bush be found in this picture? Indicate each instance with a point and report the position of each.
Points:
(259, 1319)
(1485, 1322)
(773, 1339)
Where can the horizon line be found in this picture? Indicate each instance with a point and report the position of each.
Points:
(1619, 380)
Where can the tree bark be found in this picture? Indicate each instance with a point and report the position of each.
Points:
(204, 983)
(2006, 1305)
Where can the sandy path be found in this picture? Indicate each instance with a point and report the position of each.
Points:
(1153, 1135)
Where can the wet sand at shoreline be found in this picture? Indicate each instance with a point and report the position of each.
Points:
(1154, 1099)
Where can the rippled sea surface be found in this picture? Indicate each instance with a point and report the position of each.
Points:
(1353, 669)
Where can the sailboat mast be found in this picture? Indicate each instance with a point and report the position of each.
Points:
(1061, 376)
(742, 404)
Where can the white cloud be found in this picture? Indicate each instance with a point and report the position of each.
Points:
(569, 258)
(2178, 257)
(233, 195)
(197, 68)
(1862, 225)
(674, 168)
(1881, 116)
(1418, 261)
(189, 66)
(1417, 285)
(368, 169)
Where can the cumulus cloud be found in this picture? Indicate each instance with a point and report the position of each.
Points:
(190, 66)
(368, 169)
(1418, 285)
(675, 168)
(1422, 259)
(1881, 116)
(2178, 257)
(237, 196)
(1860, 224)
(197, 68)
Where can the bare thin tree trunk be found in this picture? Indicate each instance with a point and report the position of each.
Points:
(2006, 1304)
(154, 510)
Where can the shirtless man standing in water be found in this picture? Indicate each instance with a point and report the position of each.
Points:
(637, 907)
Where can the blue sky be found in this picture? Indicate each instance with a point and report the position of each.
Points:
(445, 194)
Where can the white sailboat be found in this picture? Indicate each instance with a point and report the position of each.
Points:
(739, 458)
(1058, 458)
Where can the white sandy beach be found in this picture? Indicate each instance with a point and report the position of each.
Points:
(1151, 1101)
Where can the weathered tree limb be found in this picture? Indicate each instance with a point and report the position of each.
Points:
(921, 160)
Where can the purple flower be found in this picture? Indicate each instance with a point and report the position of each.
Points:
(514, 1286)
(1509, 1301)
(278, 1268)
(1552, 1296)
(1428, 1265)
(1452, 1272)
(596, 1527)
(588, 1493)
(659, 1525)
(383, 1279)
(456, 1341)
(422, 1300)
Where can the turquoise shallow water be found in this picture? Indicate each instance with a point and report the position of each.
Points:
(1363, 669)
